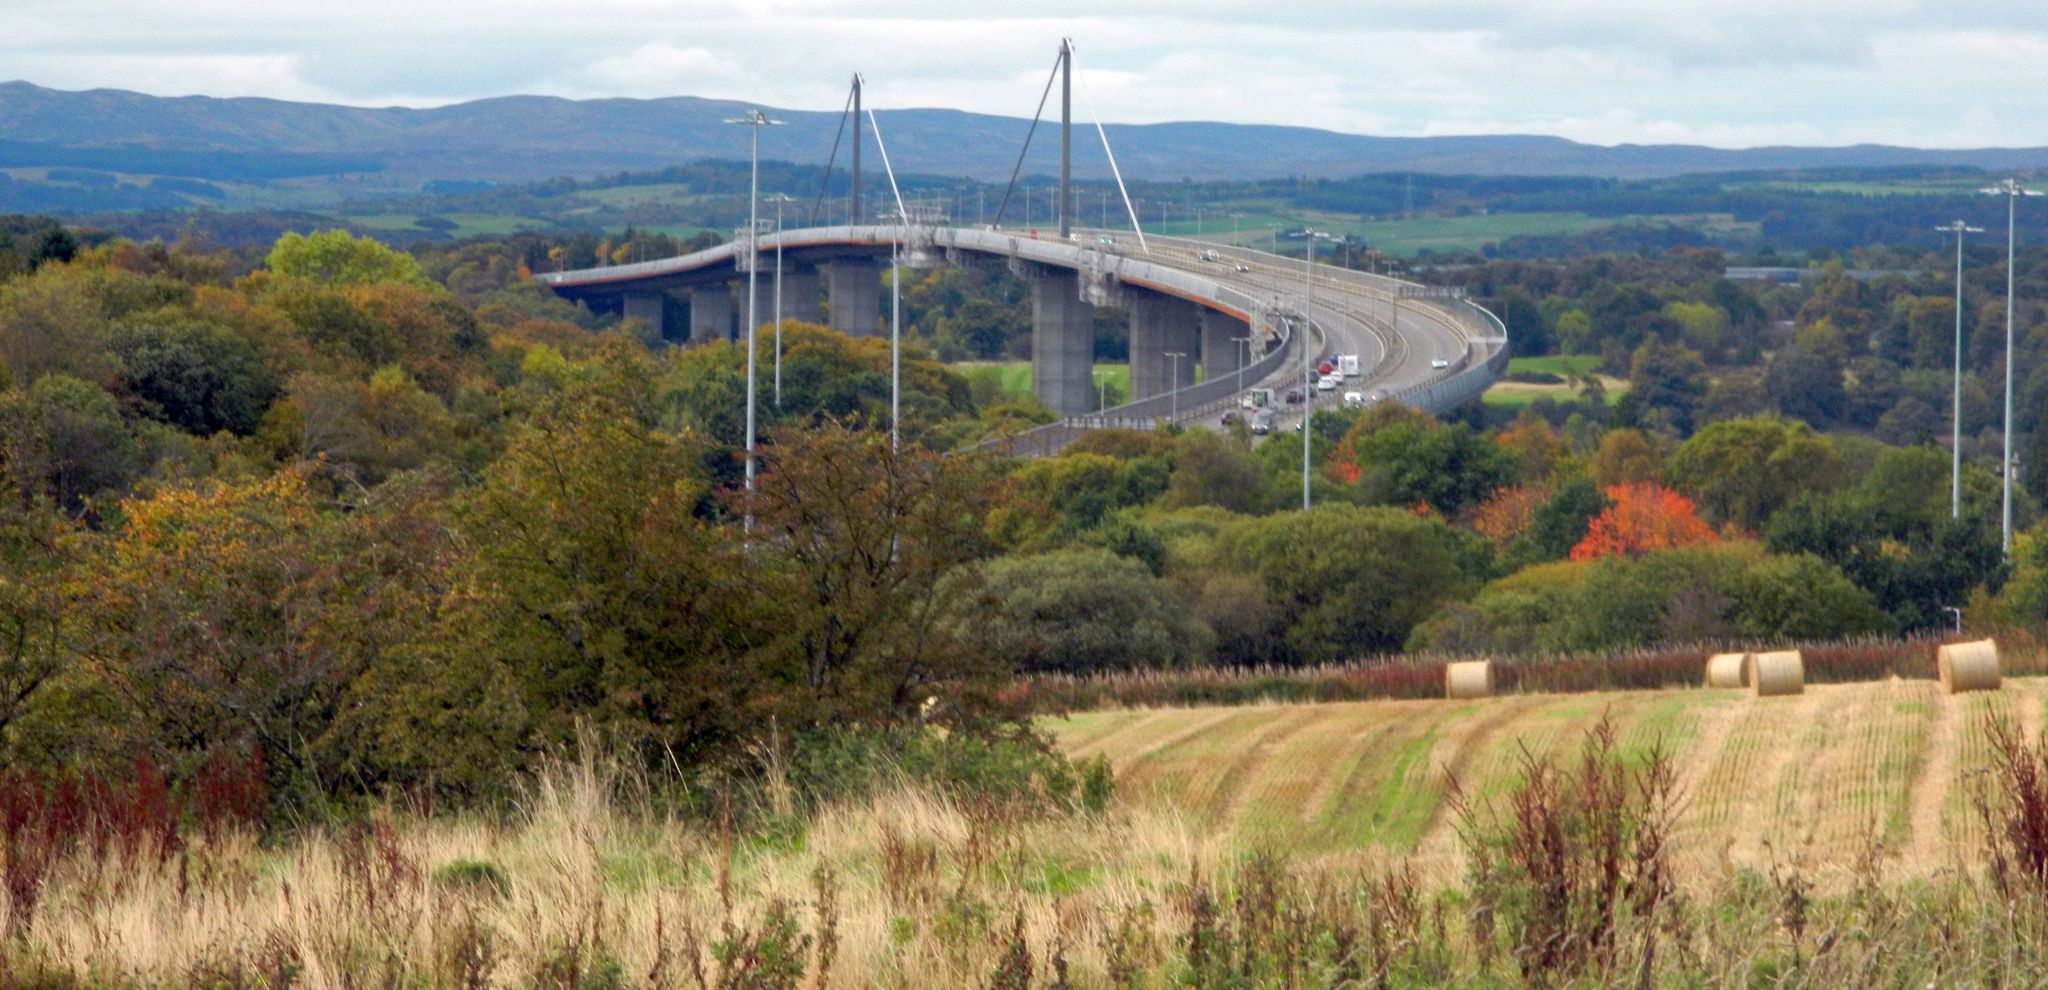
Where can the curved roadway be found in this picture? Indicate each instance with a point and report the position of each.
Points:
(1399, 329)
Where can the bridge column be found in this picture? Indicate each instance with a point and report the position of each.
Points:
(1221, 353)
(651, 310)
(1161, 325)
(711, 313)
(853, 288)
(801, 300)
(1062, 342)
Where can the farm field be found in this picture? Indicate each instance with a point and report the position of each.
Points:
(1815, 780)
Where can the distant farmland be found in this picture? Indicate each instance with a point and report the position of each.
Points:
(1812, 780)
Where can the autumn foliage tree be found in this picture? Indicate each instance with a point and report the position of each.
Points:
(1643, 518)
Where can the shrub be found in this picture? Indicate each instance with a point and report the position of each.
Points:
(1580, 860)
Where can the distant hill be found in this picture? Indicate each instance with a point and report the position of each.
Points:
(521, 138)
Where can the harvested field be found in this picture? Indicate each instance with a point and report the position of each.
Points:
(1816, 779)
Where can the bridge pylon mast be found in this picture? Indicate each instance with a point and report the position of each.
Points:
(855, 215)
(1066, 138)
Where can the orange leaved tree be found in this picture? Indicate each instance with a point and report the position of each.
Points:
(1644, 518)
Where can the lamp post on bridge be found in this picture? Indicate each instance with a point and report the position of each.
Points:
(1308, 397)
(1174, 404)
(780, 198)
(756, 120)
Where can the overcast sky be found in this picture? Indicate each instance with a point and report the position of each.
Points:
(1729, 73)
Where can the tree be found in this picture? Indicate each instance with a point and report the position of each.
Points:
(1405, 457)
(1626, 456)
(1344, 581)
(198, 376)
(857, 545)
(1214, 469)
(1667, 382)
(1085, 611)
(271, 633)
(1804, 385)
(337, 257)
(64, 439)
(1642, 519)
(1560, 523)
(601, 596)
(1741, 471)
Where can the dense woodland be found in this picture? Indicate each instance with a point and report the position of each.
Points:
(380, 521)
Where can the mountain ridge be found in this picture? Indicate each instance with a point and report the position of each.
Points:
(523, 137)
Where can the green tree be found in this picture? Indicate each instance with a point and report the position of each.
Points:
(1404, 457)
(337, 257)
(857, 544)
(1344, 581)
(1667, 382)
(1741, 471)
(1215, 469)
(1084, 611)
(600, 594)
(64, 439)
(198, 376)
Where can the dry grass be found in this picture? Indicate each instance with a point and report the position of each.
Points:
(1817, 779)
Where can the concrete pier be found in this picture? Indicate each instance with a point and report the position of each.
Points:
(711, 314)
(854, 293)
(1062, 342)
(651, 310)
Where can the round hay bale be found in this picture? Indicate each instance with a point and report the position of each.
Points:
(1968, 666)
(1728, 670)
(1772, 674)
(1468, 679)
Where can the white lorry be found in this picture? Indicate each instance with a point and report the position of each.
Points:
(1347, 365)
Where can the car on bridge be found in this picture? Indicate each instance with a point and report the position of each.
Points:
(1440, 364)
(1327, 383)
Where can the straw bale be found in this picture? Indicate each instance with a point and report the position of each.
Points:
(1770, 674)
(1968, 666)
(1468, 679)
(1728, 670)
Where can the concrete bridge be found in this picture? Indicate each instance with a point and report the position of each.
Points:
(1235, 314)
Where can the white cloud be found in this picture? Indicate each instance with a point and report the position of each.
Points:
(1721, 72)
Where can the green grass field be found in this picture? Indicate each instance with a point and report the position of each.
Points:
(1553, 364)
(1014, 377)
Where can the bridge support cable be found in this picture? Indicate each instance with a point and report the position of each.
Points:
(825, 183)
(895, 288)
(1036, 116)
(1114, 172)
(1067, 139)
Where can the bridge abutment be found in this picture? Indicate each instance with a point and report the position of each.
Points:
(711, 314)
(1062, 341)
(853, 288)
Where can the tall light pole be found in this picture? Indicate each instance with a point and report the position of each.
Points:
(1173, 406)
(754, 119)
(1955, 471)
(780, 198)
(2012, 190)
(1308, 392)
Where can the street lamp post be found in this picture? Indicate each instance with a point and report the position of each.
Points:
(780, 198)
(756, 120)
(2012, 190)
(1174, 404)
(1308, 394)
(1955, 473)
